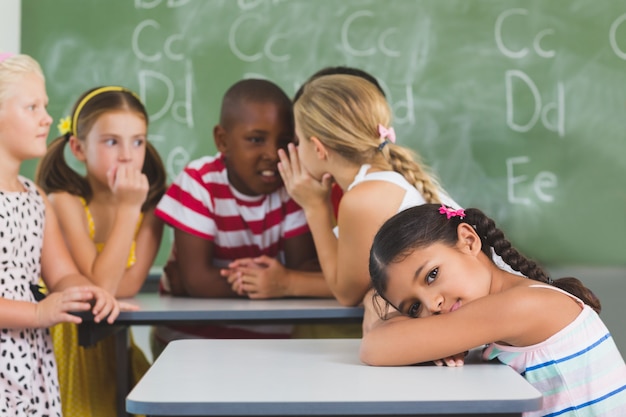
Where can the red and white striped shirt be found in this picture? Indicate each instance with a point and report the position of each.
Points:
(202, 202)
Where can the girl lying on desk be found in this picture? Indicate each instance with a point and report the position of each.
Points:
(430, 262)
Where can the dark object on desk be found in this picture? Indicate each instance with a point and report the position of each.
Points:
(90, 332)
(39, 294)
(85, 315)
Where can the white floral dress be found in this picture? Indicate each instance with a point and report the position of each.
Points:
(28, 372)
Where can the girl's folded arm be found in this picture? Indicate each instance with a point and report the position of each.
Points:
(405, 341)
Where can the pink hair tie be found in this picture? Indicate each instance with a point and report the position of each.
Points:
(5, 55)
(386, 135)
(450, 212)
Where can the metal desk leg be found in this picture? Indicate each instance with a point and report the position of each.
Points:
(123, 370)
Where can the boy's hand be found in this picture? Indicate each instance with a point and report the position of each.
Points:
(234, 274)
(233, 277)
(261, 277)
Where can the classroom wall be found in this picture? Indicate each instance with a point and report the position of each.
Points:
(608, 282)
(510, 103)
(10, 19)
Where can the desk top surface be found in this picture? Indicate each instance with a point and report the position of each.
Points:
(316, 377)
(155, 308)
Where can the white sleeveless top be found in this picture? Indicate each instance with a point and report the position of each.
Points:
(412, 197)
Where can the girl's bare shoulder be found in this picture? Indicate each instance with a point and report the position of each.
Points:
(64, 202)
(373, 194)
(63, 197)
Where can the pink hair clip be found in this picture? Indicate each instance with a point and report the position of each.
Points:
(386, 134)
(450, 212)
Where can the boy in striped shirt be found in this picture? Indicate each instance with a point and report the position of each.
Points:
(236, 230)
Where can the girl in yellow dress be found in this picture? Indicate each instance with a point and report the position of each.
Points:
(106, 217)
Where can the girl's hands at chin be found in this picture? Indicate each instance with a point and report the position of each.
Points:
(129, 185)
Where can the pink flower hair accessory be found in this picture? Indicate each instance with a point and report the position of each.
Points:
(450, 212)
(386, 135)
(5, 55)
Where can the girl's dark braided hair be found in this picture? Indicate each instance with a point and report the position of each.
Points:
(424, 225)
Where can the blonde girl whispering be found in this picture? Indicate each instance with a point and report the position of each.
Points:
(107, 219)
(343, 126)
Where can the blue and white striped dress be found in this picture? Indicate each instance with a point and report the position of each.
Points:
(579, 369)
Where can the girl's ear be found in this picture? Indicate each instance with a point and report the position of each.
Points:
(468, 240)
(77, 148)
(320, 149)
(219, 136)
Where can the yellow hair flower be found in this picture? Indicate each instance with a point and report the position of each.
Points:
(65, 125)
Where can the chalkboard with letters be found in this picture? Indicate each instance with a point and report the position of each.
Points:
(518, 105)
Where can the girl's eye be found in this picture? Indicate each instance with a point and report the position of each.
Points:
(110, 142)
(414, 309)
(138, 142)
(432, 276)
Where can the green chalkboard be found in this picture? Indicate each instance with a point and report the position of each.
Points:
(518, 105)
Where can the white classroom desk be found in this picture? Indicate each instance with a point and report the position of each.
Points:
(157, 309)
(318, 377)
